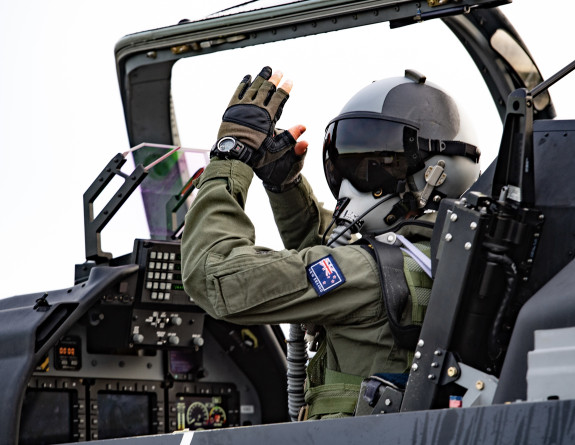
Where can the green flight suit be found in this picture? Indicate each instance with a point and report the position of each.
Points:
(232, 279)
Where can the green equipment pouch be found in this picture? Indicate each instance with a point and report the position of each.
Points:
(328, 394)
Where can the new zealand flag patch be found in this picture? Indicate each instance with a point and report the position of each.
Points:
(324, 275)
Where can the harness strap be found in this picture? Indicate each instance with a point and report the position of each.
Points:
(395, 291)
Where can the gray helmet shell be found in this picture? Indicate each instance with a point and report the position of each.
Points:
(437, 115)
(414, 99)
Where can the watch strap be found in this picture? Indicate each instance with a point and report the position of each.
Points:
(240, 151)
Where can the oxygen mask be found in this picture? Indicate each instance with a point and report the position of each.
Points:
(359, 212)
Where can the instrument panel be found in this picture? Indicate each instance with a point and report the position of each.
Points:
(142, 361)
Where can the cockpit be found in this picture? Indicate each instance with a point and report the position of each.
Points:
(124, 351)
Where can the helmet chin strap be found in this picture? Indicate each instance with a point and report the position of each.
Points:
(404, 209)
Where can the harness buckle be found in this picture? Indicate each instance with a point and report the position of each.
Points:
(303, 413)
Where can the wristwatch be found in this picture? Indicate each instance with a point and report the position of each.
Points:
(229, 147)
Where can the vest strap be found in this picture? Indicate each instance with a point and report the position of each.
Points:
(395, 291)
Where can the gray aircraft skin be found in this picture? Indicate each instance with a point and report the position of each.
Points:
(125, 356)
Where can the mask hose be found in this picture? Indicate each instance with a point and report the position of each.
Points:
(341, 236)
(344, 229)
(296, 365)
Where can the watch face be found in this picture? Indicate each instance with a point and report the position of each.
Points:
(226, 145)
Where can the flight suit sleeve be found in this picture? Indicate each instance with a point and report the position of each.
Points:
(300, 218)
(232, 279)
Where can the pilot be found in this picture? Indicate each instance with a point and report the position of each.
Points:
(397, 148)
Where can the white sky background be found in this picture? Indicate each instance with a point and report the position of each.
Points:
(61, 117)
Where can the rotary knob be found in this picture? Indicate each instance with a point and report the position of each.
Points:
(138, 338)
(174, 340)
(176, 320)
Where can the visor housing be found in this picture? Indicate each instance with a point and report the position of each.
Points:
(372, 151)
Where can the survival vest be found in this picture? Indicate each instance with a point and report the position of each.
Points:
(406, 290)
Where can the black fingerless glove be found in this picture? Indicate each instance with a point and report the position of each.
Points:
(247, 133)
(283, 173)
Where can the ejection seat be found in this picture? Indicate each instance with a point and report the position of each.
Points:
(489, 299)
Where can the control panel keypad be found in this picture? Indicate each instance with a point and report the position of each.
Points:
(162, 279)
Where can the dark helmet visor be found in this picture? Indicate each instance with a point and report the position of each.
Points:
(374, 154)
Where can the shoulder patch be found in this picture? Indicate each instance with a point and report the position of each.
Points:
(325, 275)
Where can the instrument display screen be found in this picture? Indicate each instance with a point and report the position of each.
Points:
(47, 414)
(124, 414)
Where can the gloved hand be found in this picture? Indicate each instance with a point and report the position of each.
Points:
(248, 132)
(283, 173)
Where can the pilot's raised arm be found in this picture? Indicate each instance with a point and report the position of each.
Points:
(224, 271)
(368, 299)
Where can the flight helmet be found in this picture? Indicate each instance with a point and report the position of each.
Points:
(399, 145)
